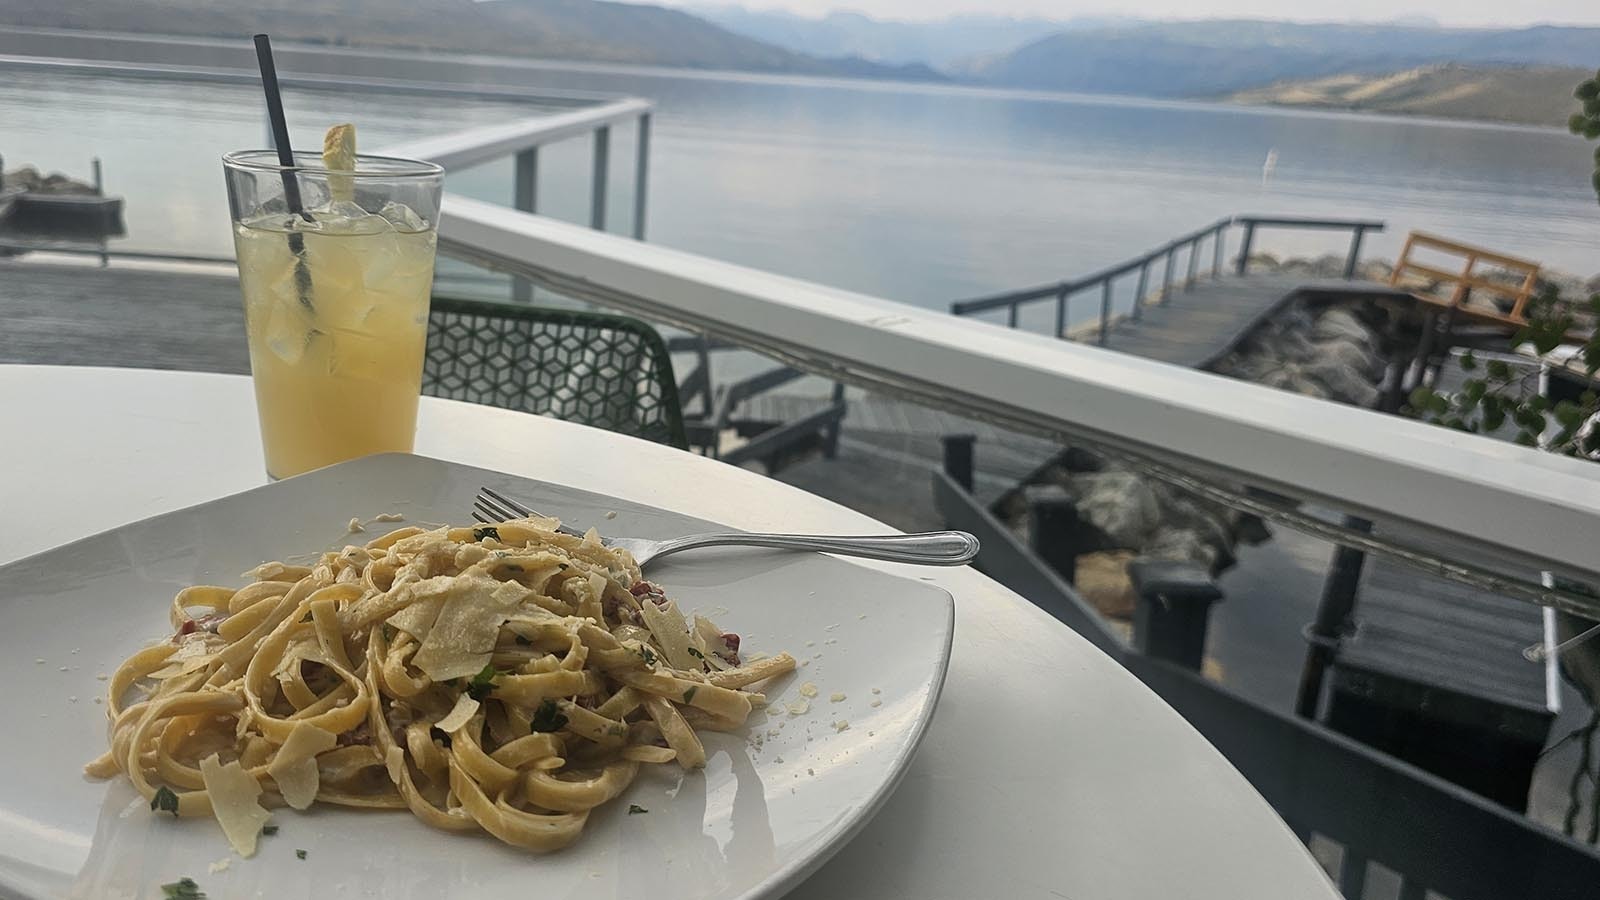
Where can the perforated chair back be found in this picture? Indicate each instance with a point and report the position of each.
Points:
(609, 371)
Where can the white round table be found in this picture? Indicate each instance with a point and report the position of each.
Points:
(1111, 796)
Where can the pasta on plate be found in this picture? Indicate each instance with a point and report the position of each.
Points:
(504, 678)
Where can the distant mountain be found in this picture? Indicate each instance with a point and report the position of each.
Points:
(1531, 95)
(938, 44)
(553, 29)
(1197, 59)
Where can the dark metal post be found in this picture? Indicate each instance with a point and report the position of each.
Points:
(1138, 292)
(1055, 533)
(958, 458)
(1166, 278)
(1061, 312)
(830, 437)
(641, 177)
(1219, 242)
(1244, 247)
(100, 191)
(602, 168)
(1333, 616)
(525, 196)
(1172, 610)
(1011, 316)
(1355, 253)
(1105, 311)
(1194, 263)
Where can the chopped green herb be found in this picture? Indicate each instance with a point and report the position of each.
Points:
(165, 800)
(482, 684)
(523, 641)
(548, 717)
(696, 653)
(269, 830)
(688, 695)
(635, 809)
(648, 655)
(617, 730)
(513, 568)
(389, 631)
(488, 531)
(299, 854)
(182, 889)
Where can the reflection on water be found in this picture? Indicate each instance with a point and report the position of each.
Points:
(922, 194)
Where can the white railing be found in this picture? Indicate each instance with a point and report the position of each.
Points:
(1502, 501)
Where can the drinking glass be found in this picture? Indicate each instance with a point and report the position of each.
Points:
(336, 269)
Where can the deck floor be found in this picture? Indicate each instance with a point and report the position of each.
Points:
(121, 316)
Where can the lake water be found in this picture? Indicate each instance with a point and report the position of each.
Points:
(916, 193)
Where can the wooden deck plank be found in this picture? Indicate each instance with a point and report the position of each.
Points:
(1446, 634)
(123, 316)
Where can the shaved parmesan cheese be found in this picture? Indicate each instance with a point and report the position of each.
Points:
(427, 598)
(463, 636)
(294, 768)
(671, 634)
(233, 794)
(462, 713)
(193, 653)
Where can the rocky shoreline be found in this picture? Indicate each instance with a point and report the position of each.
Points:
(1334, 351)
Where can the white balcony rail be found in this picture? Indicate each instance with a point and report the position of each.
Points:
(1503, 502)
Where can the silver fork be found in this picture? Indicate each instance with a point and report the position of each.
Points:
(933, 548)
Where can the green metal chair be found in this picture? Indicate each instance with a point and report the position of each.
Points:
(609, 371)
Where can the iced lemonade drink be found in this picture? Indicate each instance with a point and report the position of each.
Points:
(336, 307)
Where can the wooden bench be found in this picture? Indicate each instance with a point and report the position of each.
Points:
(1412, 275)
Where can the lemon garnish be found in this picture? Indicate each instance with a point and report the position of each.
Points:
(339, 155)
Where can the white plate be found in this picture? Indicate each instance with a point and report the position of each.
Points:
(773, 803)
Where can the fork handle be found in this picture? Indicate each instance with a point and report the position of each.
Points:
(933, 548)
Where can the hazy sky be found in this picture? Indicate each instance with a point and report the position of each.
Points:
(1449, 12)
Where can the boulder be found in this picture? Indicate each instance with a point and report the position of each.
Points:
(1346, 353)
(1291, 377)
(1338, 323)
(1183, 544)
(1342, 382)
(1375, 270)
(1120, 504)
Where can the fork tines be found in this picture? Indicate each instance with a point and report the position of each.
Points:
(491, 506)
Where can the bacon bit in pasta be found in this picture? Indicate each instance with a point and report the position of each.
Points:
(642, 588)
(361, 734)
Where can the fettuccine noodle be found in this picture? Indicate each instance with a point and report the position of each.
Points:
(503, 678)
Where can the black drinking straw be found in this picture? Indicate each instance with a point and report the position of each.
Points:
(291, 187)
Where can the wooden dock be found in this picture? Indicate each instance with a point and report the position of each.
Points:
(1195, 326)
